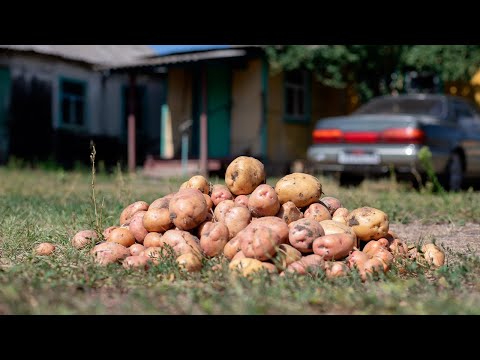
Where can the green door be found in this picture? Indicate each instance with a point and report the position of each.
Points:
(219, 101)
(4, 105)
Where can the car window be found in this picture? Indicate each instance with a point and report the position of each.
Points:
(462, 110)
(412, 106)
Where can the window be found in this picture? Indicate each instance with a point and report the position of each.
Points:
(72, 102)
(297, 96)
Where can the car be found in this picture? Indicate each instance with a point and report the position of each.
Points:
(388, 132)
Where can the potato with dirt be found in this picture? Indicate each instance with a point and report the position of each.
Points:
(259, 242)
(289, 212)
(153, 239)
(84, 238)
(368, 223)
(335, 269)
(302, 189)
(200, 183)
(241, 200)
(222, 208)
(334, 246)
(340, 215)
(162, 203)
(157, 219)
(244, 174)
(213, 238)
(286, 254)
(302, 233)
(189, 262)
(232, 247)
(136, 249)
(333, 227)
(236, 219)
(182, 242)
(122, 236)
(433, 254)
(246, 267)
(188, 209)
(220, 193)
(263, 201)
(277, 225)
(137, 262)
(137, 228)
(131, 209)
(318, 212)
(331, 203)
(106, 233)
(109, 252)
(309, 264)
(209, 202)
(45, 248)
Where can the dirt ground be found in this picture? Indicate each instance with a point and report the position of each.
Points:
(455, 237)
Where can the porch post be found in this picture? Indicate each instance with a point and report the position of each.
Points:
(131, 125)
(204, 126)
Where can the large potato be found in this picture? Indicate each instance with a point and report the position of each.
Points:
(331, 203)
(136, 249)
(137, 228)
(241, 200)
(137, 262)
(109, 252)
(213, 238)
(220, 193)
(303, 232)
(368, 223)
(244, 174)
(302, 189)
(334, 246)
(182, 242)
(263, 201)
(222, 208)
(106, 233)
(162, 203)
(309, 264)
(153, 239)
(289, 212)
(260, 243)
(83, 238)
(188, 209)
(357, 259)
(232, 247)
(340, 215)
(236, 219)
(333, 227)
(433, 254)
(277, 225)
(131, 209)
(318, 212)
(200, 183)
(122, 236)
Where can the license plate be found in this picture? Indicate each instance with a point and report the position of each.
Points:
(358, 158)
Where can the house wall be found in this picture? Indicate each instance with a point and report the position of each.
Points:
(179, 99)
(246, 112)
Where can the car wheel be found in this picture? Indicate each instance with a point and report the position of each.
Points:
(348, 180)
(454, 174)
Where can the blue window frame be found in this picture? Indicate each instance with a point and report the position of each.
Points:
(297, 93)
(73, 101)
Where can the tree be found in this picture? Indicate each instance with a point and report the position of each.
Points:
(371, 68)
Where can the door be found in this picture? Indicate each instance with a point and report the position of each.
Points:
(4, 108)
(469, 121)
(219, 99)
(141, 141)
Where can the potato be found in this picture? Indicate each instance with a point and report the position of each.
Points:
(182, 242)
(368, 223)
(241, 200)
(286, 254)
(199, 229)
(307, 265)
(340, 215)
(245, 267)
(334, 246)
(157, 220)
(384, 255)
(200, 183)
(131, 209)
(232, 247)
(136, 262)
(398, 248)
(154, 253)
(263, 201)
(83, 238)
(236, 219)
(302, 189)
(161, 203)
(334, 269)
(271, 268)
(137, 228)
(209, 202)
(122, 236)
(45, 249)
(136, 249)
(106, 233)
(222, 208)
(303, 232)
(189, 262)
(332, 227)
(372, 246)
(289, 212)
(153, 239)
(331, 203)
(244, 174)
(357, 259)
(260, 243)
(188, 209)
(109, 252)
(433, 254)
(220, 193)
(239, 255)
(373, 265)
(318, 212)
(213, 238)
(277, 225)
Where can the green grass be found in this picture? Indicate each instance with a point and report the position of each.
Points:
(38, 206)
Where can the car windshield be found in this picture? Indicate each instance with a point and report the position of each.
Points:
(433, 107)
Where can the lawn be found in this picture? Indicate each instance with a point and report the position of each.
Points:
(51, 206)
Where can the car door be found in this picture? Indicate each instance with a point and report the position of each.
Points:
(468, 121)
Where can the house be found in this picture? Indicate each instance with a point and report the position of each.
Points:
(251, 110)
(54, 100)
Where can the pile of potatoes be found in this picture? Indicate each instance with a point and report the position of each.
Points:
(289, 228)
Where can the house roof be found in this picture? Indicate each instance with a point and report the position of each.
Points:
(92, 54)
(235, 51)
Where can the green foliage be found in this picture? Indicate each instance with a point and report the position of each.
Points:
(425, 157)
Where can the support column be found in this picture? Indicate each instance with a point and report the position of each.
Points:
(204, 126)
(131, 125)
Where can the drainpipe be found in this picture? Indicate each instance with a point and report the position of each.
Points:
(131, 125)
(204, 126)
